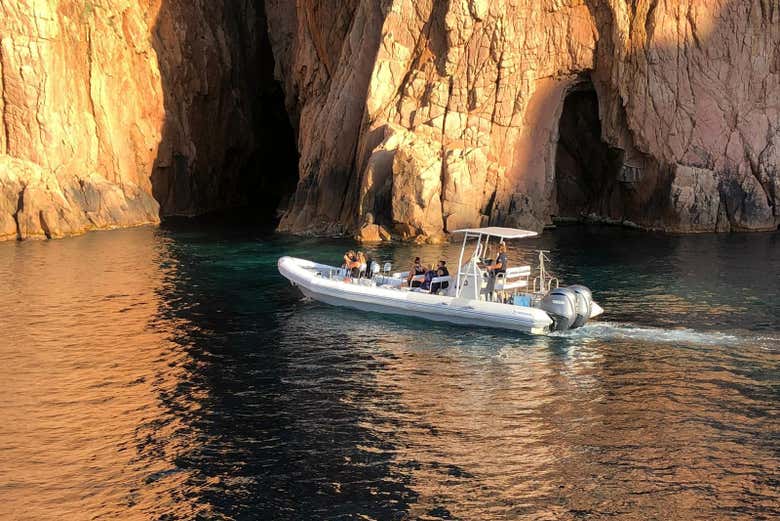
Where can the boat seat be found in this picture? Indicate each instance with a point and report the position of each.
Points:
(339, 273)
(440, 280)
(513, 278)
(435, 280)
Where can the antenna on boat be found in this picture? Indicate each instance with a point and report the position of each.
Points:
(542, 271)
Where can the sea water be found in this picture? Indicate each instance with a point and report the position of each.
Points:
(172, 373)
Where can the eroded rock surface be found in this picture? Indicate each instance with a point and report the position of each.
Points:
(107, 108)
(425, 115)
(82, 118)
(436, 115)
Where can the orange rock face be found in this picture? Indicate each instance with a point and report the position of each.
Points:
(81, 121)
(436, 115)
(426, 116)
(113, 113)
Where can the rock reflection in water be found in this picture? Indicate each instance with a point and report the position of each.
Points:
(83, 364)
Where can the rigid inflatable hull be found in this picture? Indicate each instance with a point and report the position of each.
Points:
(302, 273)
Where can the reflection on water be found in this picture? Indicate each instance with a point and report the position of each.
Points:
(82, 370)
(172, 374)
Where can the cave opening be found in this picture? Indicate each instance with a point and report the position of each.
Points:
(228, 150)
(586, 168)
(272, 169)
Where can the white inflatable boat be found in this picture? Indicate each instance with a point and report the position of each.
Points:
(512, 300)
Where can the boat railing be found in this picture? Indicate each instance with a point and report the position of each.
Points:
(539, 285)
(336, 273)
(543, 283)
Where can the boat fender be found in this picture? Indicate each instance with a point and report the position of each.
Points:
(561, 305)
(584, 304)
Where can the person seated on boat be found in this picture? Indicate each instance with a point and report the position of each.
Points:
(362, 265)
(416, 269)
(349, 258)
(351, 261)
(440, 271)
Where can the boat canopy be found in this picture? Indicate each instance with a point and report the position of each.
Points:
(498, 231)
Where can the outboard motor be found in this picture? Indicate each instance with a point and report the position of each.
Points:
(561, 305)
(584, 304)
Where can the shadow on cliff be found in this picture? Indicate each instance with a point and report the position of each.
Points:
(227, 144)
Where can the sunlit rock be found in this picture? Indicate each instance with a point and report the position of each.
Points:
(681, 87)
(428, 115)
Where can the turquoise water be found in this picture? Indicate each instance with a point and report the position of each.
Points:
(173, 374)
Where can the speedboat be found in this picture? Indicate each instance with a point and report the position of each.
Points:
(516, 299)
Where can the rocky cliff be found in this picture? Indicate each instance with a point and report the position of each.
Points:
(422, 116)
(81, 121)
(114, 113)
(410, 117)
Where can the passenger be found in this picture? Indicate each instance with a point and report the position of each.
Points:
(416, 269)
(429, 276)
(440, 271)
(351, 262)
(348, 259)
(362, 265)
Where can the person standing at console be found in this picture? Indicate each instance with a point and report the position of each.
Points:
(499, 266)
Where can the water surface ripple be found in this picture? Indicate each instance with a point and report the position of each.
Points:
(171, 374)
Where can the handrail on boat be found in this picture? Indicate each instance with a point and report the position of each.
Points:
(538, 286)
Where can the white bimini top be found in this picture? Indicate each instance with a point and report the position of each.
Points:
(498, 231)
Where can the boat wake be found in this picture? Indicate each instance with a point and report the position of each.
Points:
(624, 331)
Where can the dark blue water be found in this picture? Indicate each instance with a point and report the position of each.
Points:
(173, 374)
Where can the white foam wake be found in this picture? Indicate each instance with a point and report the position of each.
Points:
(618, 331)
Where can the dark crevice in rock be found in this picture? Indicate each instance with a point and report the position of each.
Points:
(443, 155)
(227, 140)
(4, 110)
(586, 168)
(19, 208)
(274, 163)
(44, 225)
